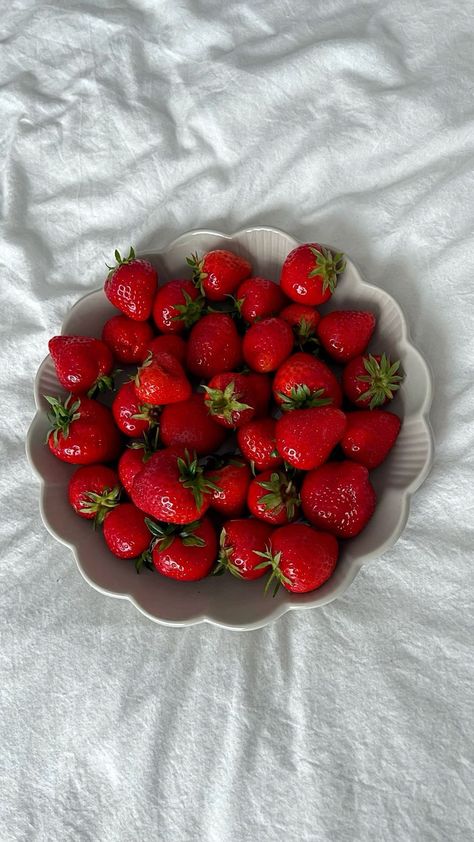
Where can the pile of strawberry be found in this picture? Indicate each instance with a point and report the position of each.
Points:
(226, 447)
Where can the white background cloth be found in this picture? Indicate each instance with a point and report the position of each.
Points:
(342, 121)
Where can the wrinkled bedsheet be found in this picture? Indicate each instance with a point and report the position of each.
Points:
(349, 122)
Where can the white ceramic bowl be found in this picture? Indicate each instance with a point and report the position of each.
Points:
(223, 600)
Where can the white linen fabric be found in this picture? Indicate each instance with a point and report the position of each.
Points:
(349, 122)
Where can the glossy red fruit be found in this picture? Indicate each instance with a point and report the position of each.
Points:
(161, 379)
(301, 558)
(128, 340)
(370, 436)
(125, 531)
(81, 362)
(132, 416)
(303, 319)
(82, 431)
(261, 390)
(232, 481)
(267, 344)
(93, 490)
(188, 554)
(339, 498)
(189, 424)
(131, 286)
(257, 443)
(214, 346)
(303, 381)
(171, 344)
(229, 399)
(219, 273)
(258, 298)
(240, 541)
(310, 272)
(177, 306)
(345, 334)
(371, 380)
(306, 437)
(134, 457)
(273, 497)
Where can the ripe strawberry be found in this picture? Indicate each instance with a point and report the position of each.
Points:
(93, 490)
(219, 273)
(177, 306)
(232, 481)
(370, 436)
(272, 496)
(186, 553)
(131, 286)
(82, 363)
(170, 343)
(306, 437)
(339, 498)
(267, 344)
(189, 424)
(260, 387)
(240, 541)
(171, 487)
(304, 321)
(214, 346)
(258, 298)
(131, 415)
(127, 339)
(257, 443)
(345, 334)
(125, 531)
(301, 558)
(82, 431)
(134, 457)
(303, 381)
(161, 379)
(228, 399)
(371, 380)
(309, 273)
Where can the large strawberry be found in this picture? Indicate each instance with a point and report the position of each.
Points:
(186, 553)
(229, 399)
(128, 340)
(267, 344)
(272, 496)
(214, 346)
(134, 457)
(371, 380)
(189, 424)
(301, 558)
(161, 379)
(82, 364)
(310, 272)
(304, 320)
(232, 481)
(82, 431)
(345, 334)
(369, 436)
(339, 498)
(93, 490)
(125, 531)
(132, 416)
(177, 306)
(257, 443)
(258, 298)
(171, 343)
(131, 286)
(219, 273)
(306, 437)
(303, 381)
(241, 541)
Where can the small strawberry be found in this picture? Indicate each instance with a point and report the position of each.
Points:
(214, 346)
(131, 415)
(267, 344)
(161, 379)
(272, 496)
(258, 298)
(82, 431)
(260, 386)
(228, 398)
(339, 498)
(241, 541)
(370, 436)
(82, 364)
(345, 334)
(125, 531)
(371, 380)
(186, 553)
(218, 273)
(306, 437)
(93, 490)
(303, 381)
(177, 306)
(301, 558)
(170, 343)
(127, 339)
(189, 424)
(257, 443)
(134, 457)
(232, 481)
(304, 321)
(131, 286)
(310, 272)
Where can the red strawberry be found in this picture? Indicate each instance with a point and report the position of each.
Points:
(240, 542)
(134, 457)
(257, 443)
(161, 379)
(309, 273)
(272, 497)
(131, 286)
(171, 487)
(128, 340)
(306, 437)
(131, 415)
(258, 298)
(338, 497)
(232, 482)
(261, 390)
(371, 380)
(125, 531)
(82, 431)
(303, 381)
(187, 553)
(82, 363)
(93, 490)
(171, 344)
(370, 436)
(304, 321)
(301, 559)
(219, 273)
(267, 344)
(345, 334)
(189, 424)
(228, 399)
(177, 306)
(214, 346)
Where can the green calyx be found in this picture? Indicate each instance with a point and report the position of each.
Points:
(305, 336)
(104, 383)
(224, 559)
(163, 534)
(197, 265)
(148, 443)
(383, 379)
(223, 402)
(192, 477)
(327, 266)
(100, 505)
(281, 494)
(276, 575)
(301, 397)
(189, 312)
(61, 415)
(148, 412)
(121, 261)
